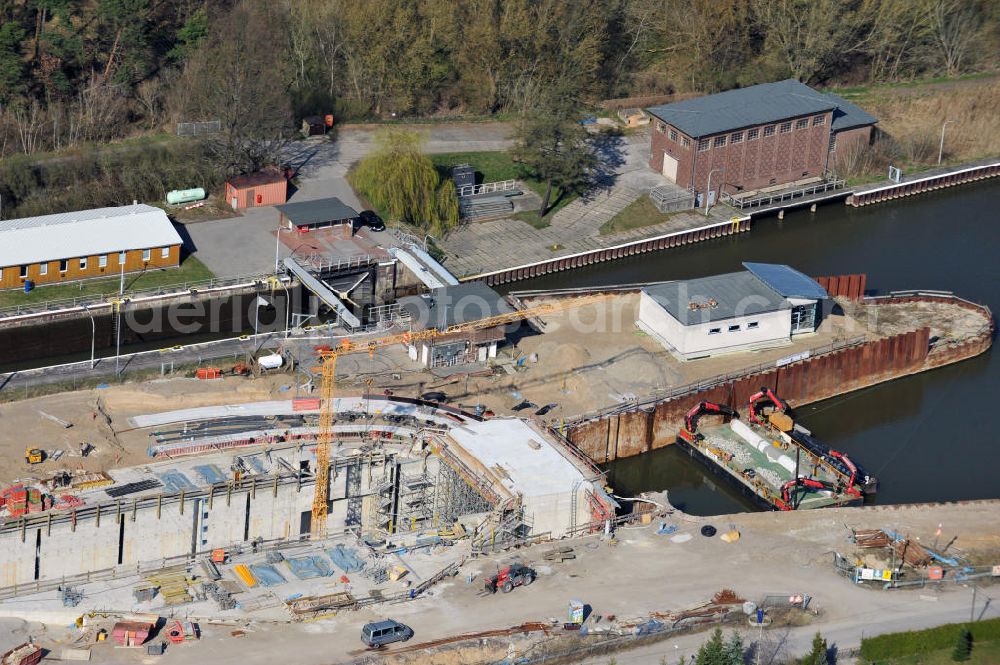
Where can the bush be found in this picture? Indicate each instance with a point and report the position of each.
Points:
(896, 645)
(963, 646)
(110, 177)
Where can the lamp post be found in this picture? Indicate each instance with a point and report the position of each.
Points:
(277, 245)
(93, 335)
(941, 146)
(708, 191)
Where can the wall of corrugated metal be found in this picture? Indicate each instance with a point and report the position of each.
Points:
(631, 433)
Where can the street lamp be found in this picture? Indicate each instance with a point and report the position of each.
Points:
(941, 146)
(277, 245)
(708, 191)
(93, 335)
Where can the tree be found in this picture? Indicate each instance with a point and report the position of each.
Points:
(963, 646)
(555, 148)
(817, 656)
(955, 24)
(399, 178)
(241, 81)
(11, 60)
(720, 652)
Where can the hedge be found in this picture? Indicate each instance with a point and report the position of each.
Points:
(897, 645)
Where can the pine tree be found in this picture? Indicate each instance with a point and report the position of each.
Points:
(711, 652)
(732, 652)
(963, 646)
(818, 654)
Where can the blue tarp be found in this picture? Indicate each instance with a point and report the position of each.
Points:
(210, 473)
(310, 566)
(345, 558)
(267, 575)
(175, 481)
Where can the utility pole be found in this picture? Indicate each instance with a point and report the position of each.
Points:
(118, 315)
(941, 146)
(972, 612)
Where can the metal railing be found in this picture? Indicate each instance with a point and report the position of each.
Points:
(89, 300)
(325, 262)
(487, 188)
(669, 199)
(718, 380)
(772, 198)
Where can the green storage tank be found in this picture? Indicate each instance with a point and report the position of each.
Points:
(185, 195)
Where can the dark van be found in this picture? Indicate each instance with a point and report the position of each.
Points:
(380, 633)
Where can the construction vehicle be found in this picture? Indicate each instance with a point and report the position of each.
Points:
(34, 455)
(324, 437)
(690, 431)
(512, 576)
(761, 399)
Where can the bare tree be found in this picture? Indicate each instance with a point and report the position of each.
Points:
(241, 80)
(955, 24)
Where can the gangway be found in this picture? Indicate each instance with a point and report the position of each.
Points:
(430, 272)
(324, 293)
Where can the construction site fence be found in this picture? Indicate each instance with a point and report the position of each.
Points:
(108, 298)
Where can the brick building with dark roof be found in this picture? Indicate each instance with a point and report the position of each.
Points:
(764, 136)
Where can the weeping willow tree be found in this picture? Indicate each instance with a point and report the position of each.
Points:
(401, 180)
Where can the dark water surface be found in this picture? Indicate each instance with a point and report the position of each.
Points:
(931, 437)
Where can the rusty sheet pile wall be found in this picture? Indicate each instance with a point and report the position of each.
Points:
(634, 431)
(846, 286)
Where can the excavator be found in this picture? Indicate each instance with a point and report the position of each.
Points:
(771, 398)
(786, 490)
(690, 431)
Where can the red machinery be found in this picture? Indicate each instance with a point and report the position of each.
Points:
(508, 578)
(851, 489)
(786, 490)
(689, 433)
(768, 394)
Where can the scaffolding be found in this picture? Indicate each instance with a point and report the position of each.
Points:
(453, 497)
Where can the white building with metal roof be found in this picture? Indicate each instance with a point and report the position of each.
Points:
(762, 306)
(86, 243)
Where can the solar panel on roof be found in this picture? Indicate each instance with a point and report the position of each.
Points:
(787, 281)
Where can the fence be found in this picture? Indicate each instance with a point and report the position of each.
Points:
(487, 188)
(97, 299)
(669, 199)
(199, 128)
(326, 263)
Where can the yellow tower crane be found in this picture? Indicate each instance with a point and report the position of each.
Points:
(324, 437)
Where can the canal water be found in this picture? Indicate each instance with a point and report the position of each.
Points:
(931, 437)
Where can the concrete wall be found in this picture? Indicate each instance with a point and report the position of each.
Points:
(699, 340)
(147, 533)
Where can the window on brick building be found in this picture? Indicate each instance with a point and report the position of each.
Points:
(785, 127)
(146, 254)
(63, 265)
(43, 269)
(801, 123)
(23, 272)
(102, 261)
(660, 127)
(736, 137)
(83, 263)
(703, 145)
(769, 131)
(686, 142)
(719, 141)
(752, 134)
(165, 253)
(673, 134)
(819, 120)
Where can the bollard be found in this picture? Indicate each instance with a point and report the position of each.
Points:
(781, 214)
(812, 208)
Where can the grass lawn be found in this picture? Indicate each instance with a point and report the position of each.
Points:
(637, 215)
(191, 270)
(985, 653)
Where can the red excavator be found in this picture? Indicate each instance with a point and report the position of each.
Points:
(771, 398)
(786, 490)
(690, 431)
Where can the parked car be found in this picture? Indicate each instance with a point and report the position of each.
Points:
(380, 633)
(371, 219)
